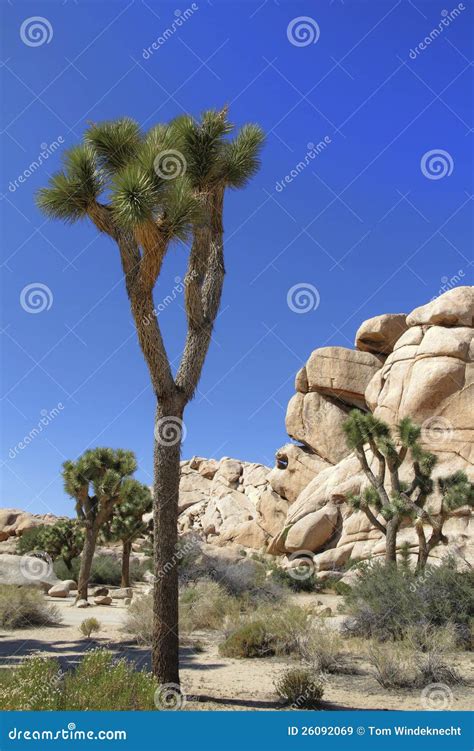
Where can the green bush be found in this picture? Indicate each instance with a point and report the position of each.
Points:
(300, 688)
(308, 583)
(31, 540)
(23, 607)
(89, 626)
(99, 683)
(385, 601)
(269, 631)
(106, 569)
(248, 640)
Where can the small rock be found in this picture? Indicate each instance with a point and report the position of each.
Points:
(325, 612)
(122, 594)
(104, 600)
(101, 592)
(83, 604)
(127, 601)
(72, 584)
(59, 590)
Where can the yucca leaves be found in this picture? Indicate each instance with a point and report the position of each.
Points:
(134, 197)
(241, 157)
(158, 176)
(115, 142)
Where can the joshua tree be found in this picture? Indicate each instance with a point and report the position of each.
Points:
(393, 499)
(126, 523)
(95, 481)
(63, 540)
(145, 191)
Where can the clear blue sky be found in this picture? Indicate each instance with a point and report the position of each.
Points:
(361, 222)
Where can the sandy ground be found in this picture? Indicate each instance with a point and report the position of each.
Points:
(214, 682)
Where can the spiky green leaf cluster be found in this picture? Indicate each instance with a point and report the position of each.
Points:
(101, 470)
(115, 142)
(126, 522)
(456, 490)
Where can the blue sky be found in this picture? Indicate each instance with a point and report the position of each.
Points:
(361, 222)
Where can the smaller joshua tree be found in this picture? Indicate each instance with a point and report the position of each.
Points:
(387, 500)
(96, 481)
(63, 540)
(127, 524)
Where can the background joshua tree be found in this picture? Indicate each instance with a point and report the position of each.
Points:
(164, 185)
(393, 499)
(64, 540)
(126, 524)
(96, 481)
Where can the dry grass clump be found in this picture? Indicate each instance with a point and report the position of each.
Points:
(24, 607)
(301, 688)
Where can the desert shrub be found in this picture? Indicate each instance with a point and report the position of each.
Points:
(89, 626)
(23, 607)
(341, 588)
(267, 632)
(35, 685)
(206, 605)
(418, 660)
(300, 687)
(102, 683)
(385, 602)
(393, 664)
(139, 619)
(307, 583)
(99, 683)
(248, 640)
(106, 569)
(321, 647)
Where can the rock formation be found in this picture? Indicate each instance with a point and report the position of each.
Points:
(417, 365)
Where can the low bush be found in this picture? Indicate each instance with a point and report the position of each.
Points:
(206, 605)
(248, 640)
(393, 665)
(89, 626)
(139, 619)
(385, 601)
(301, 688)
(321, 648)
(106, 569)
(307, 582)
(269, 631)
(98, 683)
(24, 607)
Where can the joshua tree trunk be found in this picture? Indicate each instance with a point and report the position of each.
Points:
(167, 450)
(90, 540)
(391, 540)
(126, 551)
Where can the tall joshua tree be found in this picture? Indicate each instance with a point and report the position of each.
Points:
(95, 481)
(390, 498)
(145, 190)
(127, 523)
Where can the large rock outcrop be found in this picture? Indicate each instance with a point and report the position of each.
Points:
(418, 365)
